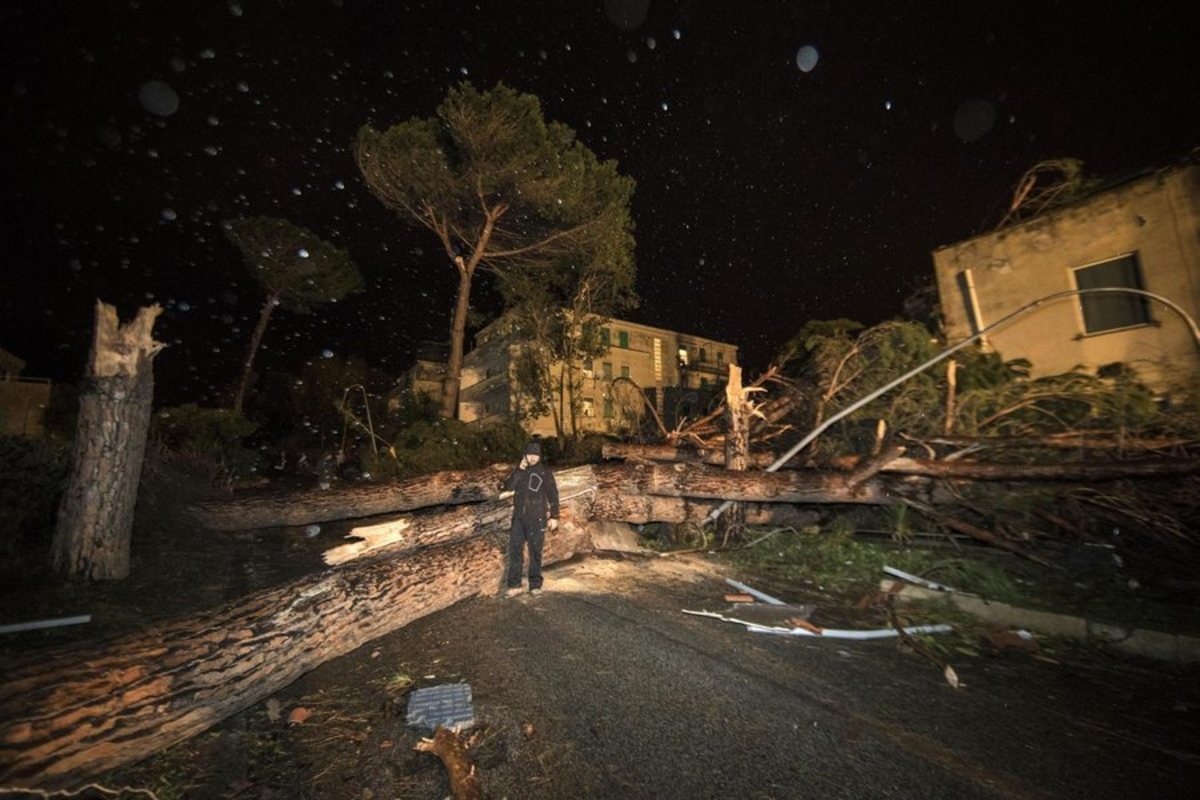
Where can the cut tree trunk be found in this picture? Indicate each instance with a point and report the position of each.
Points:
(270, 509)
(667, 452)
(640, 509)
(67, 716)
(95, 516)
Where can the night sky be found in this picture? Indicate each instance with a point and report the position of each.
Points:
(767, 194)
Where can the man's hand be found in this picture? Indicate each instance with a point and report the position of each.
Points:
(524, 463)
(552, 524)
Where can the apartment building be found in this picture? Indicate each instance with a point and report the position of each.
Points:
(677, 371)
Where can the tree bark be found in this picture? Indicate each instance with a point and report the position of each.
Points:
(640, 509)
(69, 715)
(264, 316)
(458, 335)
(270, 509)
(738, 408)
(1079, 471)
(95, 516)
(666, 452)
(695, 481)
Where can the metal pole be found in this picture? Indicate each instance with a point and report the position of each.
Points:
(1023, 310)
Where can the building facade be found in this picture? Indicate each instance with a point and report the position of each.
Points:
(23, 400)
(424, 377)
(1142, 234)
(677, 371)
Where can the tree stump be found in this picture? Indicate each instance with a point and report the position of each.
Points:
(95, 517)
(738, 409)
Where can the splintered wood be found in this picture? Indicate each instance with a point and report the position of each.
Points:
(464, 779)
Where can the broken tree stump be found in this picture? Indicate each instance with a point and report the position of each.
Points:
(71, 714)
(460, 769)
(738, 410)
(95, 516)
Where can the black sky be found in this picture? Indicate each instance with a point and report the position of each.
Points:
(766, 195)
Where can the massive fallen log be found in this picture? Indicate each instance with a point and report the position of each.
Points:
(697, 481)
(668, 452)
(643, 508)
(72, 714)
(271, 509)
(1072, 471)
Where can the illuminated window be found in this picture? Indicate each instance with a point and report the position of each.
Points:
(683, 356)
(1109, 311)
(587, 407)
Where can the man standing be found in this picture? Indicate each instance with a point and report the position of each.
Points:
(535, 498)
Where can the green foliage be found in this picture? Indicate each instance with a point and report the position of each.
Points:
(435, 445)
(33, 473)
(293, 264)
(213, 436)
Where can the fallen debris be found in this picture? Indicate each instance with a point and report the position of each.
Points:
(298, 715)
(766, 598)
(446, 706)
(739, 598)
(41, 624)
(907, 576)
(826, 633)
(460, 769)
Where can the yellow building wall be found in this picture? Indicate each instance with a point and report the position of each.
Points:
(1157, 217)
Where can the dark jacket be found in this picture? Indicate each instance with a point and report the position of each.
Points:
(535, 493)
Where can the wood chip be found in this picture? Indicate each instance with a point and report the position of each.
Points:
(739, 598)
(299, 715)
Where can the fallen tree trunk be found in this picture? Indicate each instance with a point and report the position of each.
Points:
(696, 481)
(1076, 471)
(69, 715)
(640, 509)
(667, 452)
(1070, 441)
(271, 509)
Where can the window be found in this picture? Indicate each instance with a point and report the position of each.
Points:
(588, 407)
(720, 357)
(683, 356)
(605, 337)
(702, 356)
(608, 408)
(588, 365)
(623, 338)
(1109, 311)
(608, 370)
(624, 370)
(704, 383)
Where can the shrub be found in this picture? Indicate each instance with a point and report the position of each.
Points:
(213, 436)
(33, 473)
(432, 446)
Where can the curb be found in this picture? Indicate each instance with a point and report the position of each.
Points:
(1136, 641)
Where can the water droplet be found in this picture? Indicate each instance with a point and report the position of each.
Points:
(807, 57)
(159, 98)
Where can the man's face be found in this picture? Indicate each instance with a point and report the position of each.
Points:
(532, 458)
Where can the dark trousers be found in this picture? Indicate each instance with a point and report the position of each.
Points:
(523, 531)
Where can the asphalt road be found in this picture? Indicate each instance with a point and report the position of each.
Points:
(630, 698)
(601, 688)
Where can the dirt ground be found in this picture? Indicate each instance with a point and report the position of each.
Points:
(602, 688)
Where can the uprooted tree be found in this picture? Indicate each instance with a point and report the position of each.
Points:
(503, 190)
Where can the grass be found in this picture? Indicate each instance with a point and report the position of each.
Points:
(836, 561)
